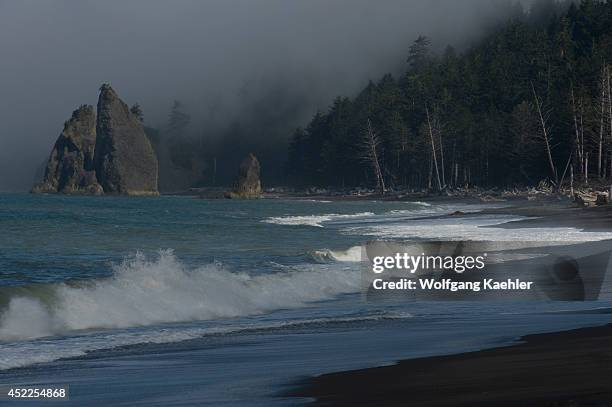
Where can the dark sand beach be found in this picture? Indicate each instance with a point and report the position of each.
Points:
(558, 214)
(572, 368)
(549, 211)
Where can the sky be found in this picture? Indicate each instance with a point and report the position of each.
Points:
(221, 58)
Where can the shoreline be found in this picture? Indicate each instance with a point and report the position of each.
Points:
(568, 368)
(593, 219)
(474, 193)
(560, 369)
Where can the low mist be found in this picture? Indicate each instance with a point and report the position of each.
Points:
(249, 70)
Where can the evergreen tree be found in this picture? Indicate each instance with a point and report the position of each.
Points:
(526, 103)
(178, 120)
(136, 110)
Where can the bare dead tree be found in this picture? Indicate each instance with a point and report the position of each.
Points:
(578, 142)
(439, 131)
(610, 97)
(602, 103)
(545, 132)
(609, 88)
(577, 148)
(610, 110)
(433, 148)
(586, 168)
(567, 164)
(436, 127)
(572, 180)
(454, 165)
(430, 172)
(371, 143)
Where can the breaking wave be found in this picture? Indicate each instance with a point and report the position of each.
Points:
(352, 255)
(313, 220)
(146, 292)
(482, 228)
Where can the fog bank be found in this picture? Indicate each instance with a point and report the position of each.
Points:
(222, 59)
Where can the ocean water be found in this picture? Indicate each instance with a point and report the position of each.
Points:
(180, 301)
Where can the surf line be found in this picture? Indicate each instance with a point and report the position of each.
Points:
(448, 284)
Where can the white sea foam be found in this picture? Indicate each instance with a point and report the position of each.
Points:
(20, 354)
(314, 200)
(314, 220)
(144, 292)
(424, 209)
(481, 228)
(351, 255)
(414, 210)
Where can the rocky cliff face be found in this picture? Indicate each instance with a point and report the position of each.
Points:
(108, 154)
(124, 160)
(249, 184)
(70, 168)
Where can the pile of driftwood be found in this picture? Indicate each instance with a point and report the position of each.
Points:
(586, 199)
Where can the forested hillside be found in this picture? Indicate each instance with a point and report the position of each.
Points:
(532, 101)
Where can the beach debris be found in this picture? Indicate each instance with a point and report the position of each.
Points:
(589, 199)
(490, 198)
(584, 199)
(601, 199)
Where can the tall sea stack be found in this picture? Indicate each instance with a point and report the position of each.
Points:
(124, 159)
(70, 169)
(107, 154)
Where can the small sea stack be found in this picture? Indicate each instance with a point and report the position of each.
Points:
(248, 185)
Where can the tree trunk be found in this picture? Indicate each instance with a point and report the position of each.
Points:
(430, 172)
(453, 180)
(569, 160)
(601, 120)
(576, 143)
(610, 96)
(610, 111)
(442, 158)
(433, 149)
(545, 135)
(582, 143)
(575, 114)
(572, 180)
(373, 144)
(586, 169)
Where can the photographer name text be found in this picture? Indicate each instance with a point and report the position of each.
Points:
(431, 284)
